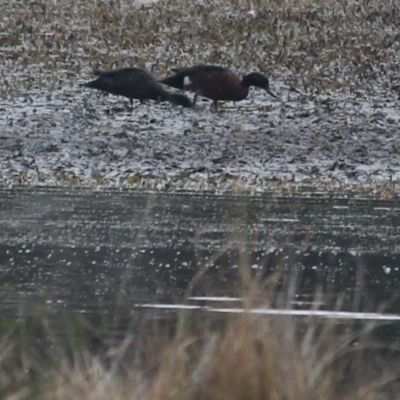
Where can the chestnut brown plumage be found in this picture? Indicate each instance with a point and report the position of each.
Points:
(216, 83)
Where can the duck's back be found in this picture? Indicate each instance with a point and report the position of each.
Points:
(186, 78)
(134, 83)
(214, 82)
(198, 69)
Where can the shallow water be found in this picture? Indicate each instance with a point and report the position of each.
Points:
(98, 252)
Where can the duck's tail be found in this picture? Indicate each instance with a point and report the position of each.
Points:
(91, 84)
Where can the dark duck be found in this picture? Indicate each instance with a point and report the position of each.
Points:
(216, 83)
(135, 83)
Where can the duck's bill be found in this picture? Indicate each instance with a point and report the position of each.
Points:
(271, 93)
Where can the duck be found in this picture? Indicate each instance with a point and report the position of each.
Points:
(216, 83)
(135, 83)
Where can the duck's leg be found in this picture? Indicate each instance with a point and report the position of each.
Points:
(194, 99)
(131, 105)
(102, 94)
(216, 105)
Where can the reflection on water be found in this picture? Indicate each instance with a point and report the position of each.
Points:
(344, 315)
(92, 252)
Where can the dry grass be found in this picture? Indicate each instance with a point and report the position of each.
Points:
(240, 357)
(316, 45)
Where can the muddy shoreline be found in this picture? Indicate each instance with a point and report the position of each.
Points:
(340, 132)
(88, 140)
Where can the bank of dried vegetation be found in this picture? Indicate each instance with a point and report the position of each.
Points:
(314, 45)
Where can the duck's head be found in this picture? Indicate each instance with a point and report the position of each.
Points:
(258, 80)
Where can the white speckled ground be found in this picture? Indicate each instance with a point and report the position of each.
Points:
(76, 136)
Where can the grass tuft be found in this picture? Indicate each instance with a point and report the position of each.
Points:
(244, 356)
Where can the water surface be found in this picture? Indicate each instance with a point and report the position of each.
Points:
(85, 251)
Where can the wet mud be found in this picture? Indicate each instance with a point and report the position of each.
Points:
(336, 122)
